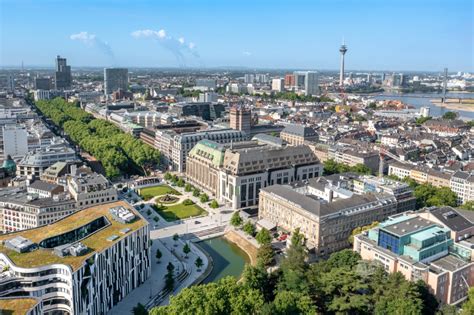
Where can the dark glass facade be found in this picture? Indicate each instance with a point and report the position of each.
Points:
(389, 241)
(76, 234)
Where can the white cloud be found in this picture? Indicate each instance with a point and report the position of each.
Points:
(161, 34)
(84, 37)
(92, 40)
(246, 53)
(177, 46)
(149, 33)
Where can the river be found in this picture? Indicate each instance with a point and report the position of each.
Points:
(228, 258)
(419, 100)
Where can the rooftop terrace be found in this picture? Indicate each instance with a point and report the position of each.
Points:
(96, 242)
(17, 306)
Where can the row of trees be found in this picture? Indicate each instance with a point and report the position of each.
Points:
(119, 153)
(343, 284)
(333, 167)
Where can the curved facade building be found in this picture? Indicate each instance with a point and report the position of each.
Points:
(83, 264)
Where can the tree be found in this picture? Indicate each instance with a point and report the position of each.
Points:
(263, 237)
(225, 296)
(139, 309)
(468, 205)
(290, 302)
(330, 167)
(294, 266)
(214, 204)
(361, 169)
(468, 306)
(422, 120)
(265, 255)
(427, 195)
(188, 202)
(188, 187)
(175, 239)
(450, 115)
(361, 229)
(204, 198)
(170, 267)
(343, 258)
(196, 192)
(186, 250)
(168, 176)
(158, 255)
(169, 281)
(180, 182)
(198, 263)
(372, 105)
(249, 228)
(236, 220)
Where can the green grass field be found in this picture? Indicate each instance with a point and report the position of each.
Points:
(150, 192)
(180, 211)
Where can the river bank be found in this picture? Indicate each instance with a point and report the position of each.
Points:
(466, 105)
(243, 243)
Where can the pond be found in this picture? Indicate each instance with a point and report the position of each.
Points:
(228, 258)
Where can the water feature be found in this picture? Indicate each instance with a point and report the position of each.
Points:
(419, 100)
(228, 258)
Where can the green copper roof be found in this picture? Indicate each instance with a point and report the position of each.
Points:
(210, 150)
(9, 165)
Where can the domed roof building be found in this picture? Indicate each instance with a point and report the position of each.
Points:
(9, 165)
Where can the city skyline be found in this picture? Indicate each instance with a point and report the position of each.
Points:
(253, 35)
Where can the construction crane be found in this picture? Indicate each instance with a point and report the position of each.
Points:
(384, 152)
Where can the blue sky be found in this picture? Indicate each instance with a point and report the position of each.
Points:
(380, 34)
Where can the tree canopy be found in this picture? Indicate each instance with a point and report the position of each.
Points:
(343, 284)
(119, 152)
(333, 167)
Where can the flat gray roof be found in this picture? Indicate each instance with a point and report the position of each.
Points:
(408, 226)
(449, 263)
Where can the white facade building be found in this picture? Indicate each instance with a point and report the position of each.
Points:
(15, 140)
(93, 260)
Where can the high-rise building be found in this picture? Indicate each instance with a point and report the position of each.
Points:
(343, 51)
(311, 86)
(62, 76)
(278, 84)
(299, 80)
(289, 80)
(307, 81)
(115, 79)
(249, 78)
(261, 78)
(43, 83)
(240, 119)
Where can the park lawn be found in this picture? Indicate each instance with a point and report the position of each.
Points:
(180, 211)
(149, 192)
